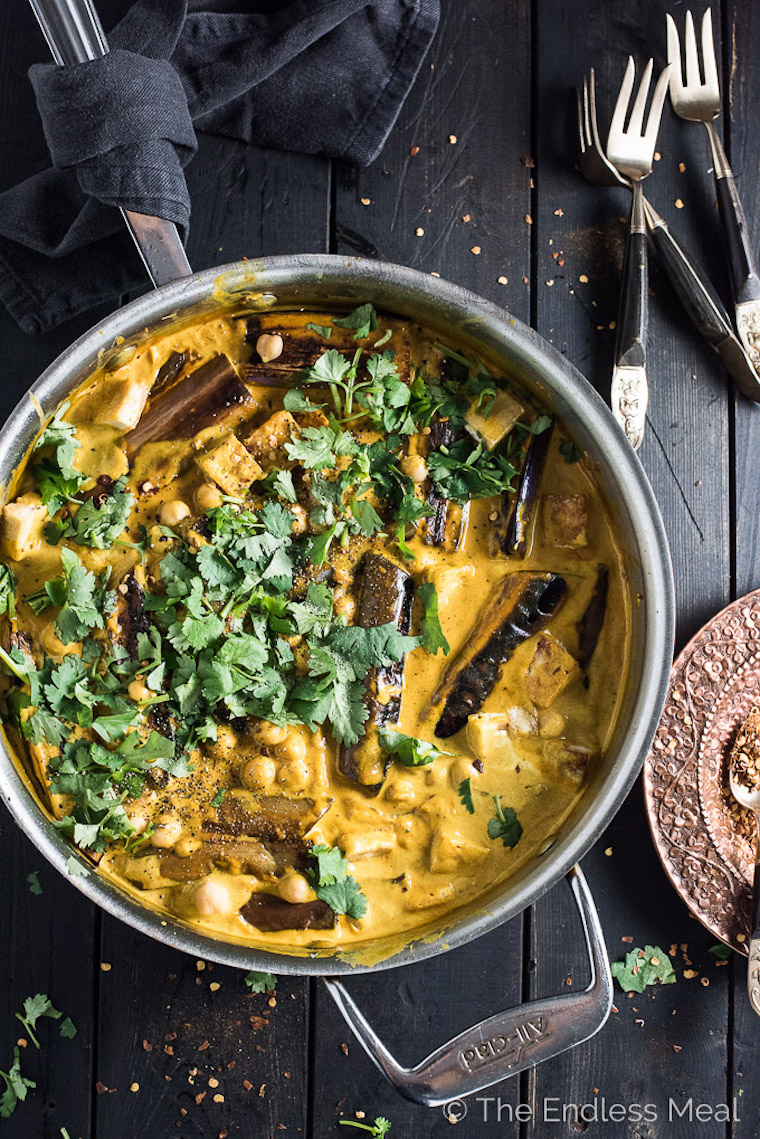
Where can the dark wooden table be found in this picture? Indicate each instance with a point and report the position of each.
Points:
(168, 1047)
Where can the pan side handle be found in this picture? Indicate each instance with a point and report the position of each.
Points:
(504, 1044)
(74, 35)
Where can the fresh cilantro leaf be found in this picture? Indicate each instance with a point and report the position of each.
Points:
(55, 488)
(62, 436)
(34, 882)
(78, 590)
(368, 519)
(643, 967)
(363, 319)
(433, 639)
(505, 825)
(281, 484)
(219, 797)
(464, 470)
(68, 1029)
(99, 522)
(75, 868)
(34, 1008)
(315, 611)
(330, 368)
(321, 330)
(16, 1087)
(332, 883)
(408, 750)
(316, 448)
(464, 791)
(380, 1127)
(295, 400)
(7, 591)
(721, 952)
(276, 518)
(43, 727)
(384, 338)
(540, 424)
(569, 451)
(259, 982)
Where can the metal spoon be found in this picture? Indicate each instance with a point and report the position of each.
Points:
(749, 798)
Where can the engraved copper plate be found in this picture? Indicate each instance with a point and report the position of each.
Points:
(704, 839)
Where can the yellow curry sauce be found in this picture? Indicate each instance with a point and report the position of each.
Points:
(223, 662)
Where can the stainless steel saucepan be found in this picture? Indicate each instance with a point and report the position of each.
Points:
(512, 1040)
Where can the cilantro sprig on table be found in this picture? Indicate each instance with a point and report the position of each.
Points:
(18, 1085)
(643, 967)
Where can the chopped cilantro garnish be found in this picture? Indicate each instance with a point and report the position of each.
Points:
(16, 1087)
(409, 750)
(322, 330)
(317, 448)
(219, 797)
(332, 883)
(363, 320)
(433, 639)
(80, 597)
(34, 1008)
(368, 519)
(643, 967)
(98, 523)
(464, 470)
(505, 825)
(380, 1127)
(33, 879)
(7, 591)
(464, 791)
(569, 451)
(259, 982)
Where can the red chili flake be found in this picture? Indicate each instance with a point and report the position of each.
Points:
(200, 1097)
(258, 1022)
(202, 1047)
(344, 1049)
(247, 1085)
(414, 151)
(168, 1050)
(147, 1047)
(101, 1088)
(527, 161)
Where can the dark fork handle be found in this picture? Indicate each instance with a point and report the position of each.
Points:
(742, 263)
(629, 393)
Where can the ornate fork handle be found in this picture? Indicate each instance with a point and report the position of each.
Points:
(630, 390)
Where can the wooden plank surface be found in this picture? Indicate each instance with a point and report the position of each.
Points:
(499, 82)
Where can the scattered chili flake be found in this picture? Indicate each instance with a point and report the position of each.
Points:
(583, 279)
(272, 1002)
(677, 1048)
(550, 283)
(476, 250)
(466, 217)
(365, 201)
(452, 139)
(22, 1043)
(262, 1091)
(200, 1097)
(200, 966)
(134, 1087)
(105, 967)
(248, 1085)
(608, 852)
(502, 280)
(559, 213)
(419, 231)
(258, 1022)
(690, 974)
(218, 1098)
(202, 1047)
(657, 156)
(527, 161)
(704, 981)
(529, 219)
(627, 940)
(168, 1050)
(414, 151)
(213, 1082)
(214, 986)
(147, 1047)
(100, 1088)
(344, 1049)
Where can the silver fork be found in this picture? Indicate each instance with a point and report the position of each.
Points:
(698, 297)
(631, 152)
(699, 102)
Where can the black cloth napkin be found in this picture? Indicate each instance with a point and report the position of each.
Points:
(316, 76)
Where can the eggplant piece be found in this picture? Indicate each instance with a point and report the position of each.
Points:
(387, 594)
(301, 347)
(169, 372)
(273, 818)
(521, 509)
(130, 614)
(590, 625)
(521, 605)
(203, 398)
(271, 915)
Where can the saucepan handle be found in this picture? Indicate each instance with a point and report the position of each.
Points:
(74, 35)
(504, 1044)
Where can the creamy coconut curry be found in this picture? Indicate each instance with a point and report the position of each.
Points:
(313, 626)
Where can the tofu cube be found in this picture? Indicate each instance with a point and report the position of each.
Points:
(121, 403)
(451, 851)
(23, 521)
(550, 671)
(501, 415)
(426, 897)
(565, 763)
(231, 467)
(565, 519)
(267, 442)
(367, 844)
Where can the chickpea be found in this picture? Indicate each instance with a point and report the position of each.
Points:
(269, 346)
(257, 772)
(139, 823)
(139, 691)
(207, 497)
(293, 748)
(270, 734)
(300, 519)
(294, 775)
(294, 888)
(416, 467)
(187, 846)
(168, 831)
(345, 606)
(212, 898)
(171, 513)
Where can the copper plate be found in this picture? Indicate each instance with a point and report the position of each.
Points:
(703, 837)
